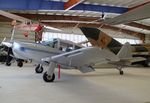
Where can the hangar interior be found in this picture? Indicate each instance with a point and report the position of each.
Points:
(88, 13)
(63, 19)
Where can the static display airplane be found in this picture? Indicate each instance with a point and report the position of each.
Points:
(38, 51)
(76, 57)
(82, 58)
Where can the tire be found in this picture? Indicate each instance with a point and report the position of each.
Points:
(121, 72)
(8, 61)
(39, 69)
(8, 64)
(20, 64)
(145, 63)
(47, 78)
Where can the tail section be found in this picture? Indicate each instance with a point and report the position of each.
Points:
(100, 39)
(125, 52)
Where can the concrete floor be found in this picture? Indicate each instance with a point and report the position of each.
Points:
(23, 85)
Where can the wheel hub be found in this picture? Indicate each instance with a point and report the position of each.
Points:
(49, 77)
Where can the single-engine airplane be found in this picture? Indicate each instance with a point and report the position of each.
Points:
(82, 59)
(79, 58)
(44, 49)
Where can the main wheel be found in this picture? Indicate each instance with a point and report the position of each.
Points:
(8, 60)
(121, 72)
(39, 69)
(8, 63)
(146, 63)
(20, 64)
(48, 78)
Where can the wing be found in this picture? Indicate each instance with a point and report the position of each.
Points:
(13, 16)
(84, 58)
(139, 13)
(27, 24)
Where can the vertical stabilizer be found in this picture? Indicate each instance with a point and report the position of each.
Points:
(125, 52)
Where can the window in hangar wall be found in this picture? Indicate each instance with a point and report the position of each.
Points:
(72, 37)
(131, 41)
(80, 38)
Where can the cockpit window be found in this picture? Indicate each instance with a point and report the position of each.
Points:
(77, 47)
(51, 43)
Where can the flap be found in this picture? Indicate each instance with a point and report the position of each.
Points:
(86, 69)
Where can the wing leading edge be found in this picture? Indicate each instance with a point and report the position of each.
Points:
(84, 58)
(139, 13)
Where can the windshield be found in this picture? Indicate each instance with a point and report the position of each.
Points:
(51, 43)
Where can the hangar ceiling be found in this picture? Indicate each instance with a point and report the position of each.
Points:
(119, 3)
(85, 13)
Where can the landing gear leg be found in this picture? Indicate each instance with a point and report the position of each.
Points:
(20, 63)
(39, 68)
(120, 70)
(8, 63)
(9, 58)
(49, 76)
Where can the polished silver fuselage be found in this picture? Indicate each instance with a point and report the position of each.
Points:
(34, 51)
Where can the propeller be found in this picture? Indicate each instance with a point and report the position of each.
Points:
(8, 49)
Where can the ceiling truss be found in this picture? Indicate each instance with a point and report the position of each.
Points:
(67, 21)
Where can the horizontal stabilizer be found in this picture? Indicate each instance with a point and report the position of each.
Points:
(137, 59)
(86, 69)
